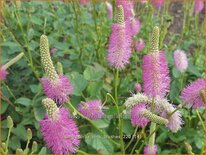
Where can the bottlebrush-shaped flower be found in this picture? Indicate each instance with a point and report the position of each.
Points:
(198, 6)
(191, 95)
(157, 3)
(59, 131)
(91, 109)
(119, 49)
(139, 45)
(133, 26)
(84, 2)
(56, 87)
(109, 10)
(156, 80)
(137, 87)
(181, 61)
(3, 73)
(128, 8)
(150, 149)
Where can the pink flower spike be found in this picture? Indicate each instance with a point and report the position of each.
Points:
(191, 94)
(83, 2)
(136, 117)
(3, 73)
(61, 134)
(133, 26)
(158, 3)
(58, 90)
(181, 61)
(137, 87)
(156, 80)
(139, 45)
(119, 50)
(198, 6)
(150, 149)
(109, 10)
(128, 8)
(91, 109)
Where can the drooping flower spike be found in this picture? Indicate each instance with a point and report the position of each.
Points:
(193, 95)
(3, 69)
(56, 87)
(156, 80)
(59, 131)
(181, 61)
(141, 116)
(119, 48)
(91, 109)
(161, 106)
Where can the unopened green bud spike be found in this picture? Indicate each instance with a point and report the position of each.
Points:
(154, 47)
(154, 118)
(59, 68)
(10, 123)
(119, 15)
(19, 151)
(46, 58)
(29, 134)
(14, 60)
(34, 146)
(51, 108)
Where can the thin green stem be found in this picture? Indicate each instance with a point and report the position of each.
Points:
(134, 147)
(90, 121)
(181, 81)
(81, 152)
(200, 118)
(116, 81)
(133, 136)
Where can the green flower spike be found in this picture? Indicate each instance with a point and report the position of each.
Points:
(51, 108)
(154, 47)
(14, 60)
(46, 58)
(119, 15)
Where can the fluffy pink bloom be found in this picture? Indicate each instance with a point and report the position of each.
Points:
(199, 6)
(150, 149)
(109, 10)
(62, 134)
(181, 61)
(137, 87)
(128, 8)
(136, 117)
(191, 94)
(119, 50)
(157, 3)
(58, 90)
(3, 73)
(133, 26)
(139, 45)
(83, 2)
(156, 80)
(91, 109)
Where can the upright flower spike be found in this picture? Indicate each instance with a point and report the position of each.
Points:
(181, 61)
(198, 6)
(128, 8)
(59, 131)
(156, 78)
(56, 87)
(192, 95)
(91, 109)
(119, 50)
(133, 26)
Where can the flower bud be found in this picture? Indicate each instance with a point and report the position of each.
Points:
(34, 146)
(10, 123)
(155, 40)
(29, 134)
(19, 151)
(59, 68)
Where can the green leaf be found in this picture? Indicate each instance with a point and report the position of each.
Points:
(102, 123)
(34, 88)
(4, 107)
(43, 150)
(20, 131)
(94, 88)
(99, 143)
(39, 112)
(79, 83)
(92, 74)
(14, 143)
(127, 127)
(194, 70)
(176, 73)
(174, 90)
(24, 101)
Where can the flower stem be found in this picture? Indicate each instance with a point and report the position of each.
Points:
(81, 152)
(7, 140)
(116, 85)
(132, 138)
(90, 121)
(200, 118)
